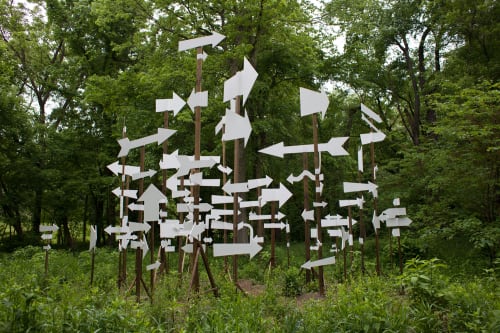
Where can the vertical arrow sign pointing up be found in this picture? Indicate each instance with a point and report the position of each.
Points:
(151, 198)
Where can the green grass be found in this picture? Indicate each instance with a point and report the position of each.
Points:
(426, 298)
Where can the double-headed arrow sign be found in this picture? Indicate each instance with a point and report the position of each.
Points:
(162, 135)
(334, 147)
(213, 39)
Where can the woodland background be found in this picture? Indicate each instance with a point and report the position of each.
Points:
(73, 73)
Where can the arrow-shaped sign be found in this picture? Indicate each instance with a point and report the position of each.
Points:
(170, 161)
(360, 187)
(230, 188)
(367, 138)
(280, 225)
(219, 225)
(213, 39)
(322, 262)
(186, 164)
(237, 127)
(320, 204)
(281, 194)
(186, 208)
(170, 104)
(254, 217)
(196, 99)
(334, 147)
(226, 170)
(367, 111)
(223, 212)
(126, 193)
(162, 135)
(115, 230)
(153, 266)
(151, 198)
(252, 248)
(223, 199)
(397, 222)
(241, 83)
(133, 207)
(356, 202)
(117, 169)
(308, 215)
(135, 226)
(259, 182)
(306, 173)
(392, 213)
(248, 204)
(140, 175)
(313, 102)
(48, 228)
(336, 222)
(93, 237)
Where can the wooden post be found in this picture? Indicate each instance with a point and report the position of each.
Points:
(307, 226)
(92, 267)
(317, 211)
(400, 256)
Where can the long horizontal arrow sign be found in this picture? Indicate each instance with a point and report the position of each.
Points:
(337, 222)
(133, 207)
(126, 193)
(215, 182)
(259, 182)
(162, 135)
(219, 225)
(172, 104)
(356, 202)
(367, 138)
(116, 230)
(136, 226)
(322, 262)
(359, 187)
(235, 188)
(223, 212)
(255, 217)
(186, 208)
(140, 175)
(334, 147)
(214, 39)
(223, 199)
(247, 204)
(222, 250)
(117, 168)
(186, 164)
(280, 225)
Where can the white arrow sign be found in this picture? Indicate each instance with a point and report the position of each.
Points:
(133, 207)
(140, 175)
(162, 135)
(334, 147)
(322, 262)
(397, 222)
(223, 212)
(254, 217)
(392, 213)
(367, 111)
(280, 225)
(151, 198)
(306, 173)
(186, 208)
(197, 99)
(235, 188)
(219, 225)
(375, 221)
(241, 83)
(46, 236)
(155, 265)
(252, 248)
(223, 199)
(336, 222)
(307, 215)
(259, 182)
(320, 204)
(126, 193)
(248, 204)
(359, 187)
(173, 104)
(117, 169)
(356, 202)
(237, 127)
(188, 248)
(313, 102)
(186, 164)
(136, 226)
(48, 228)
(367, 138)
(115, 230)
(281, 194)
(170, 161)
(93, 237)
(213, 39)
